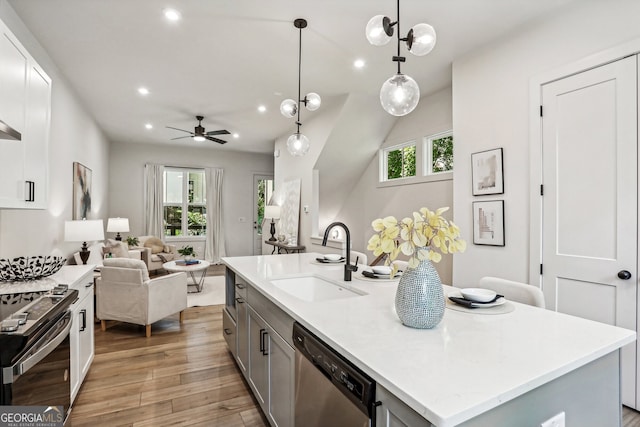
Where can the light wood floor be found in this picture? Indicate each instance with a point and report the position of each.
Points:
(182, 375)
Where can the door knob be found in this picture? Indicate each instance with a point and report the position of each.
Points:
(624, 275)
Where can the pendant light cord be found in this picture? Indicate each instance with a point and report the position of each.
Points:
(299, 76)
(398, 32)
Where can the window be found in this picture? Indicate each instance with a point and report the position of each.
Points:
(439, 151)
(400, 161)
(185, 203)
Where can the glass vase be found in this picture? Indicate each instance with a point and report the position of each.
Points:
(419, 299)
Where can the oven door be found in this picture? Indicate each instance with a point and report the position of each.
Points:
(40, 377)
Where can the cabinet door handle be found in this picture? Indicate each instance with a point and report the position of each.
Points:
(240, 286)
(83, 313)
(31, 191)
(263, 345)
(239, 300)
(227, 331)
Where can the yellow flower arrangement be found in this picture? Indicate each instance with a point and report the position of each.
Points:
(426, 230)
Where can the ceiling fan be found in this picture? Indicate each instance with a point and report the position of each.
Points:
(199, 133)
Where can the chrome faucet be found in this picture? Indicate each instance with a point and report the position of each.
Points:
(348, 268)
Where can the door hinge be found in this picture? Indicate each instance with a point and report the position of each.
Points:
(541, 190)
(541, 111)
(541, 269)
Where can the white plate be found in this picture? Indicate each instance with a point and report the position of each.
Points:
(497, 302)
(478, 294)
(330, 261)
(388, 276)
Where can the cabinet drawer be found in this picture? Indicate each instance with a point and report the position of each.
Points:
(241, 288)
(229, 331)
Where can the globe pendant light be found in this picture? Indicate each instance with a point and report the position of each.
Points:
(400, 94)
(298, 144)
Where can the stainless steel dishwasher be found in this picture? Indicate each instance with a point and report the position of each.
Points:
(330, 391)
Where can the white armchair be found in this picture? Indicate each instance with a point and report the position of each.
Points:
(125, 293)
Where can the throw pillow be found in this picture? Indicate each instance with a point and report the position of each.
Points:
(128, 263)
(119, 250)
(155, 244)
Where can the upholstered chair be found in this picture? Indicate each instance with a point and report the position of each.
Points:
(514, 291)
(124, 292)
(155, 252)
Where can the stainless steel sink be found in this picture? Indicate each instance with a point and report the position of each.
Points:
(315, 288)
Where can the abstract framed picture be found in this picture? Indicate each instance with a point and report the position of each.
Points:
(81, 191)
(488, 223)
(487, 173)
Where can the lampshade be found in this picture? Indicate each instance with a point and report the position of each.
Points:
(289, 108)
(313, 101)
(117, 225)
(298, 145)
(399, 95)
(272, 211)
(84, 230)
(375, 31)
(423, 39)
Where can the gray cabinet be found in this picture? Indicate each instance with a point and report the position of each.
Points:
(263, 348)
(394, 413)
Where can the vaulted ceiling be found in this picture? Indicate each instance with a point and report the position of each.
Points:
(224, 58)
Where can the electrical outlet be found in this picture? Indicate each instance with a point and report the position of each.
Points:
(555, 421)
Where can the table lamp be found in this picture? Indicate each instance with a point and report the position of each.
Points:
(84, 231)
(117, 225)
(273, 212)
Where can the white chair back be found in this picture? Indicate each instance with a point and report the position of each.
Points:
(514, 291)
(362, 258)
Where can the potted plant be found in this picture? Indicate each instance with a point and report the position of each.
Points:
(132, 241)
(187, 252)
(426, 235)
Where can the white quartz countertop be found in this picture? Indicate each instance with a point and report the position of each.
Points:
(465, 366)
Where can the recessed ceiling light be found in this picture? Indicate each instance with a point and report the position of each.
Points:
(171, 14)
(148, 126)
(262, 108)
(143, 91)
(236, 135)
(359, 63)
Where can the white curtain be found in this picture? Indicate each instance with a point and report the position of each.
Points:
(153, 201)
(214, 248)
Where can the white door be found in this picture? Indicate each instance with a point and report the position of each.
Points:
(262, 193)
(590, 201)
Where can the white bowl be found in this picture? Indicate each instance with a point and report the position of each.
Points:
(381, 269)
(333, 257)
(478, 294)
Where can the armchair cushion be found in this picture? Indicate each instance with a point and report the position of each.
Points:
(128, 263)
(117, 249)
(155, 244)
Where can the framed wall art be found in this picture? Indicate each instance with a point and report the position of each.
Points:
(81, 191)
(488, 223)
(487, 173)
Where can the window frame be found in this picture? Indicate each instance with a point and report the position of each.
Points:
(184, 206)
(421, 165)
(428, 153)
(385, 160)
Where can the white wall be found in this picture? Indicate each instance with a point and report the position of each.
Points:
(74, 136)
(369, 201)
(491, 109)
(126, 189)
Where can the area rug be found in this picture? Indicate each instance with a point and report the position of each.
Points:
(212, 292)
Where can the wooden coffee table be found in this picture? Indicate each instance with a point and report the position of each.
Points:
(191, 270)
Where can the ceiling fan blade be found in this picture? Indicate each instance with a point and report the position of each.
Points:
(181, 137)
(219, 141)
(218, 132)
(181, 130)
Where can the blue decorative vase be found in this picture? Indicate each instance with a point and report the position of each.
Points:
(419, 298)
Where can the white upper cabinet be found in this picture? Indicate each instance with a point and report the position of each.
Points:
(25, 106)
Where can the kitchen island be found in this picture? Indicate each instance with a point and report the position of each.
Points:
(516, 368)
